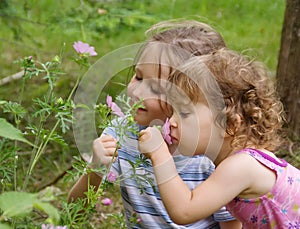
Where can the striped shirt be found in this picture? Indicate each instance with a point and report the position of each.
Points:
(139, 191)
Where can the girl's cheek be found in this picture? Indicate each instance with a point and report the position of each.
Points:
(133, 88)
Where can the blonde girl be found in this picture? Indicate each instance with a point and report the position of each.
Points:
(170, 44)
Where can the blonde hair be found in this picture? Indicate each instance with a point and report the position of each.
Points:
(193, 36)
(240, 91)
(180, 39)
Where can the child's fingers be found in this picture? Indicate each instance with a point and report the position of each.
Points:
(107, 138)
(144, 135)
(111, 151)
(104, 149)
(150, 140)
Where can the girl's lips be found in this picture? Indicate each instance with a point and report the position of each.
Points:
(174, 140)
(141, 109)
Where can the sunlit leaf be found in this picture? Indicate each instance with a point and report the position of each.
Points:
(7, 130)
(17, 203)
(21, 203)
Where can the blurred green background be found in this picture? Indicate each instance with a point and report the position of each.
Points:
(43, 28)
(40, 27)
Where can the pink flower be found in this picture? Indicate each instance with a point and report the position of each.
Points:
(84, 48)
(165, 131)
(111, 177)
(114, 107)
(106, 201)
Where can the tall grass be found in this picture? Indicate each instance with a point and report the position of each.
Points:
(32, 27)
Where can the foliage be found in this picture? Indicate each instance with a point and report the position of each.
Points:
(46, 121)
(37, 109)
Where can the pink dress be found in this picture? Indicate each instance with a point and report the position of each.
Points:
(278, 209)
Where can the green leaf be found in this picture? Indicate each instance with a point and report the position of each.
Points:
(21, 203)
(16, 203)
(51, 211)
(7, 130)
(5, 226)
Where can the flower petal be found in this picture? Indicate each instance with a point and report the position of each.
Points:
(165, 131)
(109, 101)
(117, 110)
(84, 48)
(111, 176)
(106, 201)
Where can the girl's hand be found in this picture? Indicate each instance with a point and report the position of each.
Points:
(151, 141)
(104, 150)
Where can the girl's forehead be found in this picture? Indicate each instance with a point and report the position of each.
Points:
(162, 54)
(151, 70)
(177, 97)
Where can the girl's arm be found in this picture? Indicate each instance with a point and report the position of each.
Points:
(233, 224)
(104, 149)
(183, 205)
(81, 186)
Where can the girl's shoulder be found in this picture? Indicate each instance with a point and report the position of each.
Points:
(264, 157)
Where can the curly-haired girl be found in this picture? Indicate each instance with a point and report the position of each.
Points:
(225, 103)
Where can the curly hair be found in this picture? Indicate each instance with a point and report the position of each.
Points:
(240, 91)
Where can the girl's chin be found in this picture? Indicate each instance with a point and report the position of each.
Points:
(174, 141)
(140, 119)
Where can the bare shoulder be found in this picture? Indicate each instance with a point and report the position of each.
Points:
(230, 179)
(254, 178)
(236, 170)
(236, 163)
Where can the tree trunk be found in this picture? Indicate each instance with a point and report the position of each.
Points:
(288, 70)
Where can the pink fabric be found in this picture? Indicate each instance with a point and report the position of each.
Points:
(278, 209)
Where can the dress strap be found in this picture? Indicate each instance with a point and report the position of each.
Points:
(281, 163)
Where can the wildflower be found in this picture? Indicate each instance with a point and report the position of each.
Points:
(84, 48)
(114, 107)
(106, 201)
(49, 226)
(111, 176)
(134, 218)
(166, 132)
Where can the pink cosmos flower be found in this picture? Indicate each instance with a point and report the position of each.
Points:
(84, 48)
(106, 201)
(114, 107)
(165, 131)
(111, 176)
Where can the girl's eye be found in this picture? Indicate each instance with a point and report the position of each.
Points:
(184, 114)
(138, 78)
(155, 89)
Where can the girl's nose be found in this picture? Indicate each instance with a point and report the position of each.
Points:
(134, 89)
(173, 120)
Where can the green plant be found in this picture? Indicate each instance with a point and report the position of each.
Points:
(45, 121)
